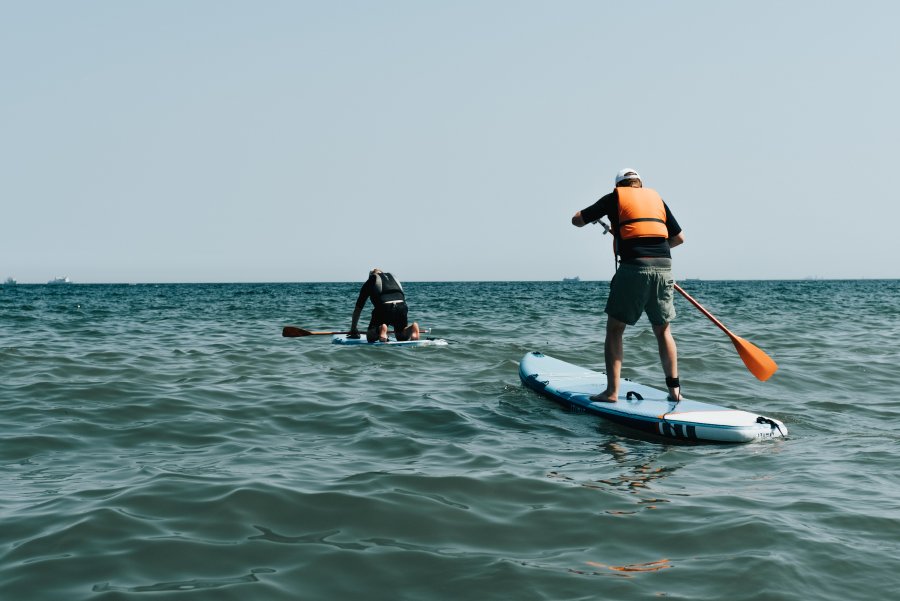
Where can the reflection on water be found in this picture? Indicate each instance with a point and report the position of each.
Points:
(185, 585)
(627, 570)
(639, 470)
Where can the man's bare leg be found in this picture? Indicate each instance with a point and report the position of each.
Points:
(410, 332)
(614, 352)
(668, 354)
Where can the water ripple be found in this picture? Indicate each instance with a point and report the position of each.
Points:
(167, 440)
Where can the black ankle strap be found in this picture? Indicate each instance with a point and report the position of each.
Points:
(672, 382)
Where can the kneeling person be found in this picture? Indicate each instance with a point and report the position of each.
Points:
(390, 309)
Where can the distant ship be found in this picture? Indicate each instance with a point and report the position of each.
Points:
(575, 279)
(62, 280)
(9, 282)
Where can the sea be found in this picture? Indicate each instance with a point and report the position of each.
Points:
(166, 442)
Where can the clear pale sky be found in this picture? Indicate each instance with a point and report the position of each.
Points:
(269, 141)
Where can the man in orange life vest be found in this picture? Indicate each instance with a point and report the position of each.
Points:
(644, 231)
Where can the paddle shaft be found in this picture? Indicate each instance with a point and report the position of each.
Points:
(606, 228)
(308, 333)
(294, 332)
(709, 315)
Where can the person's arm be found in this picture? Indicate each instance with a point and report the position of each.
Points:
(593, 212)
(357, 311)
(577, 220)
(676, 235)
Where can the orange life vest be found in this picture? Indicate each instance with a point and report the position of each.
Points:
(641, 214)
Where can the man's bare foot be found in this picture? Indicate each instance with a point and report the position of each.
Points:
(603, 397)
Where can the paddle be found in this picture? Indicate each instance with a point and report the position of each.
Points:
(760, 364)
(294, 332)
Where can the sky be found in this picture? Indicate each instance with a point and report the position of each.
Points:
(292, 141)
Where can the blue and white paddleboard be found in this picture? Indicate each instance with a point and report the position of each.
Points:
(361, 341)
(643, 407)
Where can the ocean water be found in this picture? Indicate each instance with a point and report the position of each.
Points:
(165, 442)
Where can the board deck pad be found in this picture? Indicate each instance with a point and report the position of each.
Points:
(361, 341)
(642, 407)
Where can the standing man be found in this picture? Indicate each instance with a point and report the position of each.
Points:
(644, 231)
(387, 296)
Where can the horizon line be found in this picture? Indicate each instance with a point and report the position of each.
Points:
(561, 281)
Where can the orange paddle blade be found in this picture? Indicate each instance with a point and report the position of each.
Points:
(760, 364)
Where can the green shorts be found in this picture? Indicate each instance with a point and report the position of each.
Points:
(636, 289)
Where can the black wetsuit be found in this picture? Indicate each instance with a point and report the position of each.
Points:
(389, 303)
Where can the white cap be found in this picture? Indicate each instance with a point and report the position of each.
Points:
(626, 174)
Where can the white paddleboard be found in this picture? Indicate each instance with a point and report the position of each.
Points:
(642, 407)
(361, 341)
